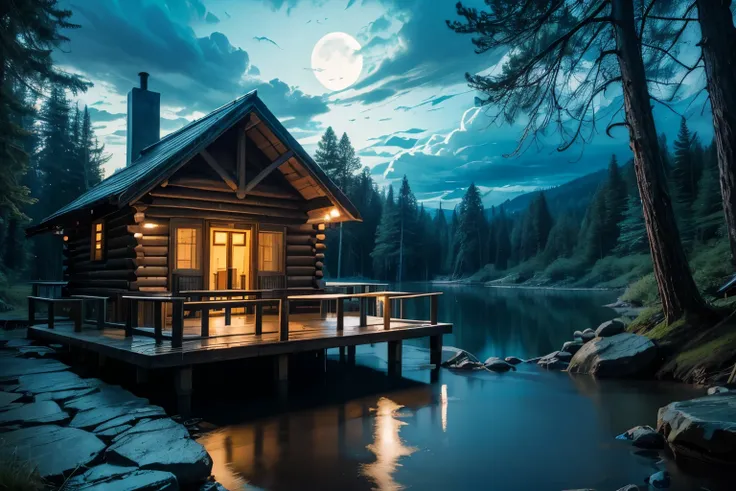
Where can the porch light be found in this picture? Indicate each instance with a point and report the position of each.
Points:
(334, 213)
(150, 225)
(138, 235)
(66, 238)
(327, 217)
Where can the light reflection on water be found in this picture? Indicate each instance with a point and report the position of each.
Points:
(387, 446)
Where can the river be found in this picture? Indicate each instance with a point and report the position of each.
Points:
(523, 430)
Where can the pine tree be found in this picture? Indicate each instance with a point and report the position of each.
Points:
(93, 153)
(406, 204)
(562, 238)
(534, 228)
(685, 176)
(503, 240)
(470, 233)
(592, 231)
(327, 154)
(708, 207)
(385, 252)
(616, 197)
(633, 236)
(30, 32)
(441, 233)
(452, 244)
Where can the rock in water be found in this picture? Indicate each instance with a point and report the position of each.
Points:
(701, 428)
(53, 449)
(622, 355)
(560, 355)
(498, 365)
(108, 477)
(572, 347)
(578, 334)
(659, 480)
(552, 364)
(610, 328)
(588, 335)
(717, 390)
(162, 445)
(513, 360)
(643, 437)
(629, 487)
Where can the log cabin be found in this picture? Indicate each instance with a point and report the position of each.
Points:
(230, 201)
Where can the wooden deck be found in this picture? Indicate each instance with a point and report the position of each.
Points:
(306, 332)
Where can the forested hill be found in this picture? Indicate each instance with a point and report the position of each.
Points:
(573, 196)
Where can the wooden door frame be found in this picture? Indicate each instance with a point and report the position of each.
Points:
(250, 226)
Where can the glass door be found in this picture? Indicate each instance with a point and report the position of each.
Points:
(229, 259)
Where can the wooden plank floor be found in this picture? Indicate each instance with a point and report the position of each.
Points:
(306, 332)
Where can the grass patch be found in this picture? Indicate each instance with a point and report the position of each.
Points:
(721, 347)
(17, 474)
(642, 292)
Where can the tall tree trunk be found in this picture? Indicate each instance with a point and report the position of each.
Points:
(677, 289)
(719, 54)
(339, 255)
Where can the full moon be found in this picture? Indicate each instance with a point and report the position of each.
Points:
(336, 61)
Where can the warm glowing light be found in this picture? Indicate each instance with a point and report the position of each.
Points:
(387, 446)
(327, 217)
(150, 225)
(66, 238)
(138, 235)
(334, 213)
(443, 403)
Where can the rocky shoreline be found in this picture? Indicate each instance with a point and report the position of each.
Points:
(84, 434)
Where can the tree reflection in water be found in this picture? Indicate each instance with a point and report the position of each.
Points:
(387, 446)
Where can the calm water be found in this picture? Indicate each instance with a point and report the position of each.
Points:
(524, 430)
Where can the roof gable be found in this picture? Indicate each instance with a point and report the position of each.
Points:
(159, 161)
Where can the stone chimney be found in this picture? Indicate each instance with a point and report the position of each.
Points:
(144, 123)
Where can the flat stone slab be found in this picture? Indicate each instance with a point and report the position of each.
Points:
(93, 418)
(162, 445)
(143, 480)
(54, 450)
(15, 367)
(132, 417)
(51, 382)
(8, 398)
(36, 351)
(34, 413)
(64, 395)
(98, 474)
(621, 355)
(108, 395)
(702, 428)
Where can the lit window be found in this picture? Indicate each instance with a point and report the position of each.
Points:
(270, 251)
(98, 231)
(186, 248)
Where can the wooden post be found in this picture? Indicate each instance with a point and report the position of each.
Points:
(259, 319)
(228, 316)
(433, 309)
(131, 319)
(31, 310)
(76, 314)
(435, 350)
(158, 322)
(394, 358)
(340, 312)
(351, 356)
(101, 312)
(341, 351)
(387, 312)
(205, 321)
(183, 386)
(177, 323)
(51, 315)
(284, 319)
(323, 308)
(362, 305)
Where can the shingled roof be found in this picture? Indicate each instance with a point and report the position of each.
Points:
(158, 161)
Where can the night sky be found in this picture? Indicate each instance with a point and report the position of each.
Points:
(409, 111)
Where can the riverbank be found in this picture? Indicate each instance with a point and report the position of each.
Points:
(84, 433)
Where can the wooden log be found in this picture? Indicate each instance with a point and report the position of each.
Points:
(300, 239)
(319, 256)
(190, 204)
(220, 187)
(154, 240)
(300, 250)
(319, 265)
(153, 261)
(93, 283)
(211, 215)
(299, 281)
(197, 194)
(110, 264)
(319, 274)
(152, 289)
(123, 241)
(300, 270)
(149, 271)
(151, 281)
(125, 218)
(320, 246)
(152, 250)
(121, 274)
(321, 237)
(302, 228)
(299, 261)
(161, 228)
(122, 252)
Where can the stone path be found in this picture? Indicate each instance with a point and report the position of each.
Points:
(90, 434)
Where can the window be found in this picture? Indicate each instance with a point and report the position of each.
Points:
(186, 248)
(98, 241)
(270, 251)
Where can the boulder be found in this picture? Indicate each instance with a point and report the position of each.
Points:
(701, 428)
(610, 328)
(560, 355)
(498, 365)
(577, 334)
(34, 414)
(553, 364)
(643, 437)
(588, 335)
(54, 450)
(622, 355)
(659, 480)
(162, 445)
(533, 360)
(717, 390)
(572, 347)
(513, 360)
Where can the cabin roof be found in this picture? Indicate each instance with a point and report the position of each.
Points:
(159, 160)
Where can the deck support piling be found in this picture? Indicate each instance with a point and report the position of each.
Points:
(177, 323)
(340, 313)
(131, 317)
(341, 351)
(282, 375)
(141, 375)
(205, 322)
(394, 358)
(351, 356)
(158, 322)
(435, 356)
(363, 304)
(387, 313)
(259, 319)
(183, 386)
(284, 320)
